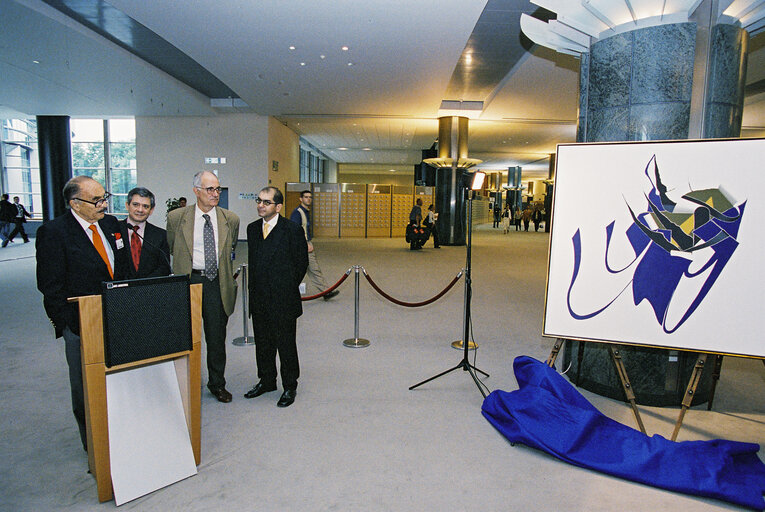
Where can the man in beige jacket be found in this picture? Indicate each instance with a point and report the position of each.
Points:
(202, 238)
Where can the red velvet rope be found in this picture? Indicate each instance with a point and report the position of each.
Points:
(412, 304)
(328, 290)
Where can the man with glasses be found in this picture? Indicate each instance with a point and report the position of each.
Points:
(202, 238)
(278, 259)
(76, 252)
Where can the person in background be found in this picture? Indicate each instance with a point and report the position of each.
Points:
(431, 222)
(202, 238)
(415, 217)
(7, 212)
(537, 218)
(302, 216)
(506, 220)
(526, 217)
(181, 202)
(19, 218)
(517, 215)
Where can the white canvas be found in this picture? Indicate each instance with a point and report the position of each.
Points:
(149, 441)
(598, 184)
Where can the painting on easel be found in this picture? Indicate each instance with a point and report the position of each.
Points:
(668, 253)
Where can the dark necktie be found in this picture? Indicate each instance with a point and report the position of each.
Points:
(211, 261)
(135, 246)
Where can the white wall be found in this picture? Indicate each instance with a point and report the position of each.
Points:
(170, 150)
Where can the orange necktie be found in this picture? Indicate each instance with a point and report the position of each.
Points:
(99, 244)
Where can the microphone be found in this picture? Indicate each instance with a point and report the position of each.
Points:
(163, 253)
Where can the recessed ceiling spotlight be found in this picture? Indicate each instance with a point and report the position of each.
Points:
(344, 48)
(302, 63)
(366, 149)
(322, 57)
(392, 170)
(343, 149)
(292, 47)
(350, 63)
(36, 61)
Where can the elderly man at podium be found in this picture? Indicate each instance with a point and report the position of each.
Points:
(76, 252)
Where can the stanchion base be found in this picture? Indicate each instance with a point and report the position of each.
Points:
(459, 346)
(356, 343)
(241, 341)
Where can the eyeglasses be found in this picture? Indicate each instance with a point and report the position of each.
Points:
(98, 202)
(266, 202)
(210, 190)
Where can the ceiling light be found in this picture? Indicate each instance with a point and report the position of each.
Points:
(343, 149)
(344, 48)
(366, 149)
(322, 57)
(36, 61)
(392, 170)
(302, 63)
(350, 63)
(292, 47)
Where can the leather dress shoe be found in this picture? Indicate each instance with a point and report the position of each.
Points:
(287, 398)
(258, 389)
(221, 394)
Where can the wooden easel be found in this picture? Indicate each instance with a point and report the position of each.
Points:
(620, 371)
(690, 391)
(94, 371)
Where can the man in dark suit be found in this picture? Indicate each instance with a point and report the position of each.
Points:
(76, 252)
(150, 254)
(7, 212)
(278, 259)
(202, 238)
(19, 218)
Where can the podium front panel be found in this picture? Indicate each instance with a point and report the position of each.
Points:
(146, 318)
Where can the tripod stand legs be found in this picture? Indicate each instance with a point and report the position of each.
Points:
(466, 366)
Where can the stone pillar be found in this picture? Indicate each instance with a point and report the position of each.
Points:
(55, 152)
(640, 86)
(514, 180)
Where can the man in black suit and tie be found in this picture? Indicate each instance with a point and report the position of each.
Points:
(76, 252)
(19, 218)
(149, 251)
(278, 259)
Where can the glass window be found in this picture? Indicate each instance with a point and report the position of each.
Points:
(20, 168)
(93, 142)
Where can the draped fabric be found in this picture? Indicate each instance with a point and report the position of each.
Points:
(549, 414)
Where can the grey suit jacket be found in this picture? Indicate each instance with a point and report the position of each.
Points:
(180, 239)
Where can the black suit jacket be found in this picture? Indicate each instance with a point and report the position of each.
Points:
(68, 265)
(7, 211)
(24, 213)
(276, 266)
(155, 253)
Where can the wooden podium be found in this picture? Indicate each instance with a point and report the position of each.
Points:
(94, 371)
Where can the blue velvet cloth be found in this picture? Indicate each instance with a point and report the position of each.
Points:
(549, 414)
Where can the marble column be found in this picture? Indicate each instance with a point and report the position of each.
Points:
(640, 86)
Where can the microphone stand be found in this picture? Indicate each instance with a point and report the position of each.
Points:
(464, 364)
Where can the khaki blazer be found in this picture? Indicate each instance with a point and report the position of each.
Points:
(180, 239)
